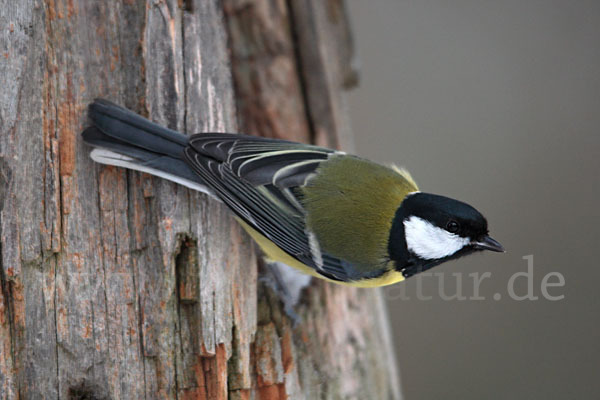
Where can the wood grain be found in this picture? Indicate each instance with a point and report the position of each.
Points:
(115, 284)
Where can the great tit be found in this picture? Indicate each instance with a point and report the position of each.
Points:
(332, 215)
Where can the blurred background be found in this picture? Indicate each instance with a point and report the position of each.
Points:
(496, 103)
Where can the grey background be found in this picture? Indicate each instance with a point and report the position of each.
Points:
(496, 103)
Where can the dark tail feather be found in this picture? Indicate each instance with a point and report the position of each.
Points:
(125, 139)
(129, 127)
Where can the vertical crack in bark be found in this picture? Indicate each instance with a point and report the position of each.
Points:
(175, 363)
(186, 291)
(180, 255)
(4, 286)
(299, 68)
(105, 297)
(186, 266)
(141, 339)
(48, 124)
(5, 180)
(49, 106)
(54, 302)
(135, 253)
(178, 281)
(187, 4)
(131, 214)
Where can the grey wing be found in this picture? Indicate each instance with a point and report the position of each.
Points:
(258, 178)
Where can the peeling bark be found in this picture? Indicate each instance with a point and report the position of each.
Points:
(115, 284)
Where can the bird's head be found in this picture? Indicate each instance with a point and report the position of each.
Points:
(429, 229)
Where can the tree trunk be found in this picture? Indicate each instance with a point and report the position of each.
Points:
(116, 284)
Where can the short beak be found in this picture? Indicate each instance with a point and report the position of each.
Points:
(487, 243)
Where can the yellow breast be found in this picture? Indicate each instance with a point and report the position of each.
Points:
(272, 252)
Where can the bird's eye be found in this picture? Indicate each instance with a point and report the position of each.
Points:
(452, 226)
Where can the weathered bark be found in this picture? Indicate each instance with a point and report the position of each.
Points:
(115, 284)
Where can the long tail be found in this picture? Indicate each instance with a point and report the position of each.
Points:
(125, 139)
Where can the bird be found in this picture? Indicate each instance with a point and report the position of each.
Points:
(331, 215)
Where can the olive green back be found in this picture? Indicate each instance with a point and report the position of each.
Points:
(350, 205)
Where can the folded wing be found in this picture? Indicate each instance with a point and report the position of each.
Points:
(259, 179)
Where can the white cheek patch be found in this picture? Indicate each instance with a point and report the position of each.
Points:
(429, 241)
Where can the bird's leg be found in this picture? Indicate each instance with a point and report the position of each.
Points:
(287, 283)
